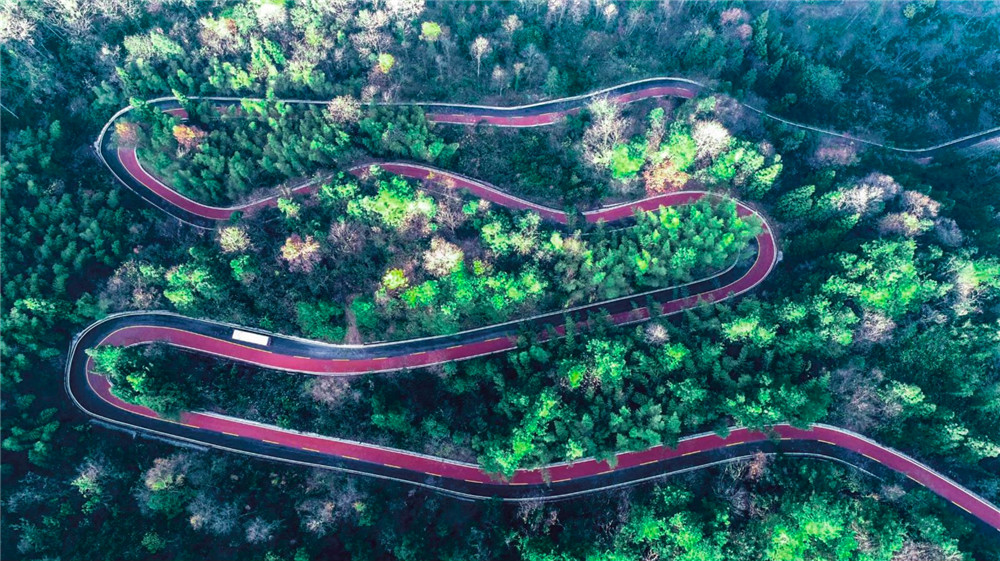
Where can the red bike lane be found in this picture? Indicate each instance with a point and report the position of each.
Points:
(440, 467)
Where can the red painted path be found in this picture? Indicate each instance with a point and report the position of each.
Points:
(440, 467)
(560, 472)
(130, 161)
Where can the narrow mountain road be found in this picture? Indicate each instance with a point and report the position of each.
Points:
(125, 165)
(92, 393)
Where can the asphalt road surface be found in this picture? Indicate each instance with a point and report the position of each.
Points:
(92, 392)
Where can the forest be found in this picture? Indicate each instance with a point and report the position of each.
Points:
(882, 317)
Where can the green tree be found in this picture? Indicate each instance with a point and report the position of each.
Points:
(321, 320)
(886, 277)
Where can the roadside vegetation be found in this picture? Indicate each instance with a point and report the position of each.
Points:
(404, 263)
(883, 316)
(223, 155)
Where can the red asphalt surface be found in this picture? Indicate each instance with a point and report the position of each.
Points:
(556, 473)
(766, 258)
(130, 160)
(441, 467)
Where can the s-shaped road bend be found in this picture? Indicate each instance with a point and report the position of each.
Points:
(92, 393)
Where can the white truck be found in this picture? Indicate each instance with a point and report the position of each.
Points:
(255, 338)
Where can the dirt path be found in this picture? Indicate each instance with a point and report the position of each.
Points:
(353, 336)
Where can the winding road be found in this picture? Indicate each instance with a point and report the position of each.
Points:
(92, 393)
(125, 166)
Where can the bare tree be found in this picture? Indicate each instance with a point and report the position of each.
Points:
(867, 195)
(656, 334)
(371, 38)
(442, 258)
(500, 79)
(404, 11)
(518, 69)
(512, 24)
(168, 472)
(343, 109)
(836, 152)
(757, 466)
(711, 138)
(233, 239)
(271, 15)
(875, 328)
(607, 128)
(904, 224)
(74, 18)
(860, 404)
(449, 215)
(924, 551)
(578, 10)
(332, 499)
(478, 50)
(346, 238)
(920, 205)
(537, 515)
(948, 232)
(33, 491)
(610, 12)
(211, 515)
(329, 390)
(15, 27)
(301, 254)
(536, 64)
(134, 285)
(260, 530)
(555, 12)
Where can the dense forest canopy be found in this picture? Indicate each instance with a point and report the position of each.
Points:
(883, 316)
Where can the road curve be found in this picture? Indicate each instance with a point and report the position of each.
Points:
(124, 164)
(91, 392)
